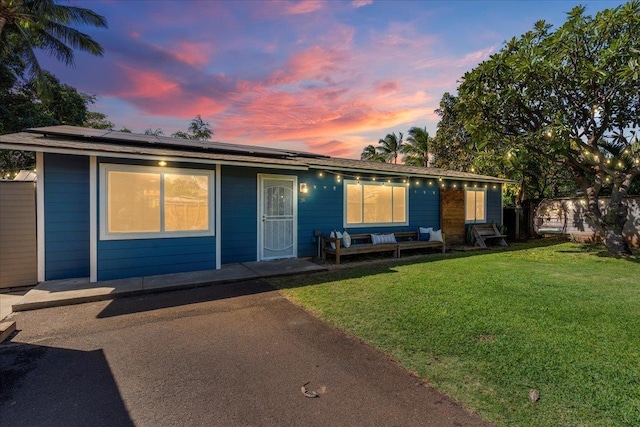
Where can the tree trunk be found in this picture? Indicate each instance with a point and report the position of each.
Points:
(613, 224)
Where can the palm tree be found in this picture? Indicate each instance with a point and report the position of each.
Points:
(370, 153)
(391, 146)
(29, 24)
(417, 147)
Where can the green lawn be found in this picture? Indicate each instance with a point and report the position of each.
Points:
(487, 327)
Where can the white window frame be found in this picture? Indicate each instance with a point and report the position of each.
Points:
(105, 168)
(477, 190)
(345, 224)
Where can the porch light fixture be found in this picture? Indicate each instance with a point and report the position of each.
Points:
(304, 188)
(162, 163)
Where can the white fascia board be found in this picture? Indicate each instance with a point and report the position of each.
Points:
(218, 218)
(93, 219)
(151, 157)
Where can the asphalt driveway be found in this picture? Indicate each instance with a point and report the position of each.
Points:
(223, 355)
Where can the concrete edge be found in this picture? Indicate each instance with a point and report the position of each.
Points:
(7, 327)
(37, 305)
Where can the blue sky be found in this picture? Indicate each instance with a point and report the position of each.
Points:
(322, 76)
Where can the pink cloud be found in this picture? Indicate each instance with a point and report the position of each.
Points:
(194, 54)
(314, 63)
(360, 3)
(333, 148)
(386, 88)
(303, 7)
(154, 93)
(146, 84)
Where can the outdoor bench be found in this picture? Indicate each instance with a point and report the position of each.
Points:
(552, 225)
(484, 232)
(409, 240)
(361, 244)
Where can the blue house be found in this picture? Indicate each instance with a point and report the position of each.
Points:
(115, 205)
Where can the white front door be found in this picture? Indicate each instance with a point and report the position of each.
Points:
(278, 222)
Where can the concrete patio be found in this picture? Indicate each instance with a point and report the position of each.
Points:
(57, 293)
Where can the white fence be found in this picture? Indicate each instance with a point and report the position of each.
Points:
(569, 216)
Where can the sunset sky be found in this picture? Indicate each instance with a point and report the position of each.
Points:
(324, 76)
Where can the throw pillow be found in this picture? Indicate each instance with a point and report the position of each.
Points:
(436, 236)
(337, 235)
(424, 233)
(378, 239)
(346, 239)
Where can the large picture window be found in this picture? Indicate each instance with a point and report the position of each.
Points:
(147, 202)
(475, 205)
(372, 203)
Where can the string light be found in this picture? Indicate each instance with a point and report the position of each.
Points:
(395, 180)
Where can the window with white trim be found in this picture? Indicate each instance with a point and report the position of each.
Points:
(139, 202)
(475, 205)
(373, 203)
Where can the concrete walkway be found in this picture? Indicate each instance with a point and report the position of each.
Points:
(57, 293)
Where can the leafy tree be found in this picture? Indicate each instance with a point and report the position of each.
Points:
(371, 153)
(20, 108)
(570, 96)
(391, 146)
(417, 147)
(198, 130)
(452, 148)
(29, 24)
(97, 120)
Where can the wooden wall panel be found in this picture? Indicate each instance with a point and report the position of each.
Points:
(452, 215)
(18, 249)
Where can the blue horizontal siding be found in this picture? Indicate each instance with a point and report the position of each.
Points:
(119, 259)
(319, 209)
(239, 213)
(153, 270)
(66, 207)
(494, 205)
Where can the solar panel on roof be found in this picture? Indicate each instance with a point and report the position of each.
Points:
(65, 130)
(165, 141)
